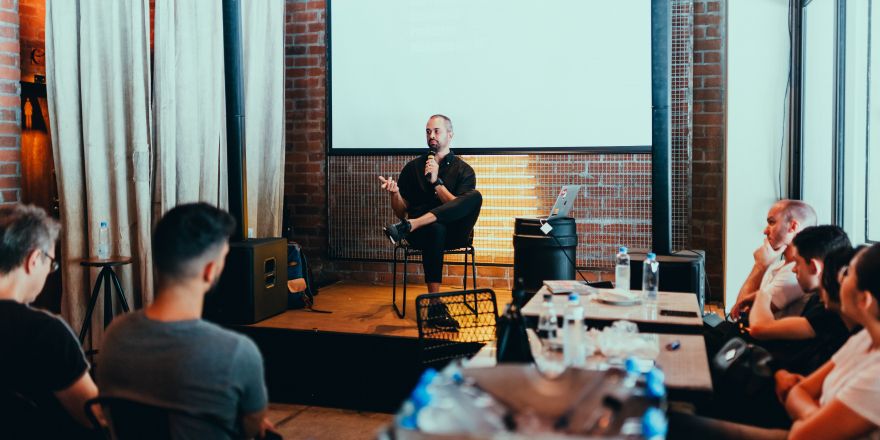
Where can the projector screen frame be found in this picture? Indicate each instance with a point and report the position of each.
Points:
(328, 112)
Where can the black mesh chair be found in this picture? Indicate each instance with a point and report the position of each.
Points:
(466, 249)
(477, 314)
(132, 420)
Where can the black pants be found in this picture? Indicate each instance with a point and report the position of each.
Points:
(455, 221)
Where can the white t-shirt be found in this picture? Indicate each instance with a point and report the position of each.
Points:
(855, 379)
(781, 284)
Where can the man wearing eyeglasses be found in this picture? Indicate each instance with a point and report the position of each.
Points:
(44, 380)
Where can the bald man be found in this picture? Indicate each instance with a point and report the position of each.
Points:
(772, 273)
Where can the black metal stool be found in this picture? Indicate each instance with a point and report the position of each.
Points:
(105, 277)
(408, 251)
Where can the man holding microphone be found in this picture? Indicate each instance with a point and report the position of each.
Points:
(436, 200)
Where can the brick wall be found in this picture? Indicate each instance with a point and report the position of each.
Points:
(708, 137)
(306, 170)
(10, 104)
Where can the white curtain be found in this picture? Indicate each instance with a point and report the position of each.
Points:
(263, 41)
(190, 107)
(190, 104)
(98, 82)
(99, 89)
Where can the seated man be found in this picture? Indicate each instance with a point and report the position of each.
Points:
(809, 247)
(41, 360)
(774, 261)
(165, 355)
(821, 329)
(436, 200)
(834, 265)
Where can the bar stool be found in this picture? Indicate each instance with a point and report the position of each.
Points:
(105, 278)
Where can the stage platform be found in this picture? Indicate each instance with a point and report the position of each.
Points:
(360, 356)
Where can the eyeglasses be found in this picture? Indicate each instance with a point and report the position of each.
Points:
(55, 264)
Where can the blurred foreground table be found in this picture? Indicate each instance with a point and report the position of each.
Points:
(686, 368)
(674, 312)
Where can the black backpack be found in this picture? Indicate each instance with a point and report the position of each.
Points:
(298, 268)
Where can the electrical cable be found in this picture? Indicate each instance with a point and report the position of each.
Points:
(570, 260)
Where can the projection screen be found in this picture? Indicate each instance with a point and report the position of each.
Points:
(511, 74)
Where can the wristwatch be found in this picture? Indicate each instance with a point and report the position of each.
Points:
(437, 183)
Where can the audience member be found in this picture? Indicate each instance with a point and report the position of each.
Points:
(167, 356)
(42, 364)
(803, 343)
(774, 261)
(840, 400)
(799, 345)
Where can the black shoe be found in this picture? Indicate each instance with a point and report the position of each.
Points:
(439, 318)
(397, 231)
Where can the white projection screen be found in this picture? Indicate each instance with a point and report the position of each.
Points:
(511, 74)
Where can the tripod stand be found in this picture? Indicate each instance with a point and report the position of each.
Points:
(105, 277)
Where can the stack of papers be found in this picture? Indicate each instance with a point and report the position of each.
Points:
(559, 287)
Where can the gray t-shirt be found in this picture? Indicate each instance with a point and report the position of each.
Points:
(194, 366)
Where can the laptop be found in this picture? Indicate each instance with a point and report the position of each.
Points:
(564, 201)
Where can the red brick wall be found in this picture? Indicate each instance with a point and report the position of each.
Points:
(305, 169)
(707, 224)
(10, 104)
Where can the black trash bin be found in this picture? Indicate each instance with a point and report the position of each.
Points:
(538, 257)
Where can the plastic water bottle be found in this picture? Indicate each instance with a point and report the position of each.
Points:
(574, 333)
(548, 326)
(621, 270)
(103, 241)
(650, 278)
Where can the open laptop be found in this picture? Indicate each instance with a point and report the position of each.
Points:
(564, 201)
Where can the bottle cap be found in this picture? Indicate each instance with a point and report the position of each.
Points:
(428, 376)
(652, 255)
(103, 224)
(654, 424)
(421, 397)
(623, 249)
(632, 366)
(654, 382)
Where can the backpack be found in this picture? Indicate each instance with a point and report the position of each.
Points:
(301, 288)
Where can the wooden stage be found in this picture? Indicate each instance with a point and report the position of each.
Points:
(360, 356)
(360, 308)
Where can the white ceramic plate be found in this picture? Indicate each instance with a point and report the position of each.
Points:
(617, 298)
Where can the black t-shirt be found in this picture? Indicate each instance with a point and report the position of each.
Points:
(804, 357)
(39, 355)
(458, 177)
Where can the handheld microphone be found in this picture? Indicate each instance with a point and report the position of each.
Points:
(431, 152)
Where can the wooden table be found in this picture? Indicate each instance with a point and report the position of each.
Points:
(686, 369)
(650, 319)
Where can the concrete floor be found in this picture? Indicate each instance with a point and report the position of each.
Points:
(300, 422)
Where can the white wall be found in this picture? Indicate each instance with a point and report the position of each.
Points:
(757, 69)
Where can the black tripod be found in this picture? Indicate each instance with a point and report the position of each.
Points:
(105, 277)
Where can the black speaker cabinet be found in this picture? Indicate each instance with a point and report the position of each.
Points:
(682, 271)
(253, 285)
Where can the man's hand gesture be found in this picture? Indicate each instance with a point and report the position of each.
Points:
(765, 255)
(389, 185)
